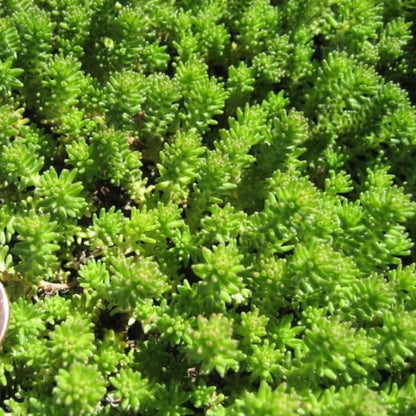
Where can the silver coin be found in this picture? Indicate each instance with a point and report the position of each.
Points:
(4, 313)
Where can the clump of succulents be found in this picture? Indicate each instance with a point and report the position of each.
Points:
(208, 207)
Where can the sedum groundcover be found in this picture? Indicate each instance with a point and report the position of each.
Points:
(207, 207)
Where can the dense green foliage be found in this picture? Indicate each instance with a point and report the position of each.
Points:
(207, 207)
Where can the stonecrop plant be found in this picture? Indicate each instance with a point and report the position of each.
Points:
(208, 207)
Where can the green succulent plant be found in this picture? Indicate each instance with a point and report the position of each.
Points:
(208, 207)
